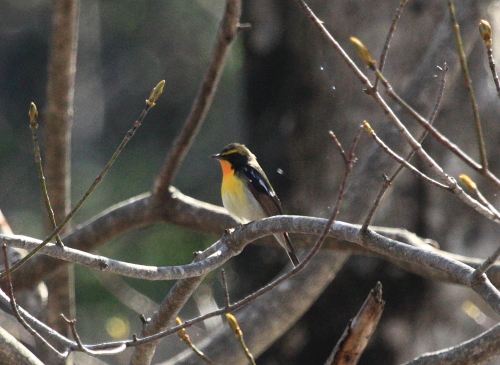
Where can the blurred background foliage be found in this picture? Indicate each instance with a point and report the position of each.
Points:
(282, 89)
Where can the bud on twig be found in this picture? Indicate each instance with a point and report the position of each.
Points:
(368, 128)
(467, 181)
(182, 332)
(363, 52)
(233, 323)
(33, 113)
(155, 94)
(486, 33)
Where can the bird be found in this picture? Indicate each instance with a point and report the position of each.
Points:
(247, 193)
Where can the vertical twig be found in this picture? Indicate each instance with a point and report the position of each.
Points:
(487, 35)
(224, 287)
(468, 85)
(238, 333)
(33, 114)
(383, 55)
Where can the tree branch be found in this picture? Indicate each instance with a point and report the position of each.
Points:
(227, 33)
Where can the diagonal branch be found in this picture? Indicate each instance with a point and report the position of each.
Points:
(227, 33)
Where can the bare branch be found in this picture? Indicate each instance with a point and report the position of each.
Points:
(486, 34)
(134, 213)
(392, 29)
(359, 331)
(13, 352)
(468, 84)
(165, 316)
(401, 160)
(81, 347)
(227, 33)
(224, 287)
(17, 314)
(33, 114)
(185, 338)
(474, 351)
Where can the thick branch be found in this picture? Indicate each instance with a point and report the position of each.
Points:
(13, 352)
(232, 244)
(475, 351)
(131, 214)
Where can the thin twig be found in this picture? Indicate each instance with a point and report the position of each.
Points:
(363, 52)
(442, 85)
(224, 287)
(397, 123)
(434, 132)
(82, 348)
(389, 180)
(33, 114)
(491, 61)
(401, 160)
(13, 305)
(339, 146)
(487, 34)
(184, 337)
(489, 262)
(473, 187)
(238, 333)
(150, 102)
(376, 203)
(383, 55)
(468, 84)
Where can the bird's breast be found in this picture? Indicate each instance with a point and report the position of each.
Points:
(238, 199)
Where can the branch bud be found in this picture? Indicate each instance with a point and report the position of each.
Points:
(467, 181)
(33, 113)
(155, 94)
(368, 128)
(233, 323)
(486, 32)
(363, 52)
(182, 332)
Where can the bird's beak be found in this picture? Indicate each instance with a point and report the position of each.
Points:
(217, 156)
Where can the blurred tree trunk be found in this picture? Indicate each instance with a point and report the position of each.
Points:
(60, 100)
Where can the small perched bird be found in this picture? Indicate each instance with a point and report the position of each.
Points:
(246, 192)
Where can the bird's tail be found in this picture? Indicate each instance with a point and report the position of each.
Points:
(284, 240)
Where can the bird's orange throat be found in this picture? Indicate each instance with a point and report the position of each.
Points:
(230, 184)
(227, 169)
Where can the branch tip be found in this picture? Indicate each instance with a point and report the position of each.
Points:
(363, 52)
(368, 128)
(468, 182)
(486, 32)
(155, 93)
(233, 323)
(33, 113)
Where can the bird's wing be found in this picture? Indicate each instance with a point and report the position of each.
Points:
(262, 191)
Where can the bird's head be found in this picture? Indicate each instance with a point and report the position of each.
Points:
(236, 154)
